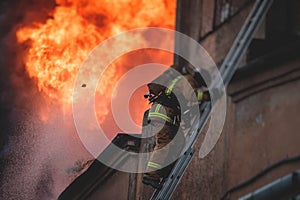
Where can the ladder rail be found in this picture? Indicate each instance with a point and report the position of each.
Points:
(227, 70)
(194, 133)
(183, 161)
(242, 43)
(175, 174)
(235, 43)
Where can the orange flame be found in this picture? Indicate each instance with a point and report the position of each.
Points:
(60, 46)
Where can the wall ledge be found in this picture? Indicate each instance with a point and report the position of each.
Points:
(274, 69)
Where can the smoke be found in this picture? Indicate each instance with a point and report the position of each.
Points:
(34, 154)
(40, 151)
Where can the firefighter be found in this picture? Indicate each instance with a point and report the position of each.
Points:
(164, 119)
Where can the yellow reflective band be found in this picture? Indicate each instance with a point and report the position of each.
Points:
(162, 116)
(154, 165)
(199, 95)
(170, 88)
(157, 107)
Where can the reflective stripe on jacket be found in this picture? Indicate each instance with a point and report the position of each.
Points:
(171, 86)
(162, 113)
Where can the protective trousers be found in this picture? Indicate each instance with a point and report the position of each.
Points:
(169, 141)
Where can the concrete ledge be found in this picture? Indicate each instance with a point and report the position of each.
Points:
(276, 68)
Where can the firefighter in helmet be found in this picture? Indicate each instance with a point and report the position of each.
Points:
(164, 117)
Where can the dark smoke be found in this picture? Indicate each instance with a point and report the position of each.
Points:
(16, 89)
(32, 162)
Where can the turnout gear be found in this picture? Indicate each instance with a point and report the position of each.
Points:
(167, 149)
(164, 119)
(164, 114)
(157, 85)
(155, 184)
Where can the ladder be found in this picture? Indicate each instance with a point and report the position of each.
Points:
(227, 70)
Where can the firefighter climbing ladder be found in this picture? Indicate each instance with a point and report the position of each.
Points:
(227, 70)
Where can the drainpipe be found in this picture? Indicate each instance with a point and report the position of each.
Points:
(278, 189)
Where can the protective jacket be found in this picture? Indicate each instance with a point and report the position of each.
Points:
(164, 119)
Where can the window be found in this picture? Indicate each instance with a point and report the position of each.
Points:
(227, 8)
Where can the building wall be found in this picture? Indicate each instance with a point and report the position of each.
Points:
(262, 124)
(266, 130)
(261, 129)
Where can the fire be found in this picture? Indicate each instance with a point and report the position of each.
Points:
(59, 46)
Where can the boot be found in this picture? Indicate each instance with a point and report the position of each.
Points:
(154, 183)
